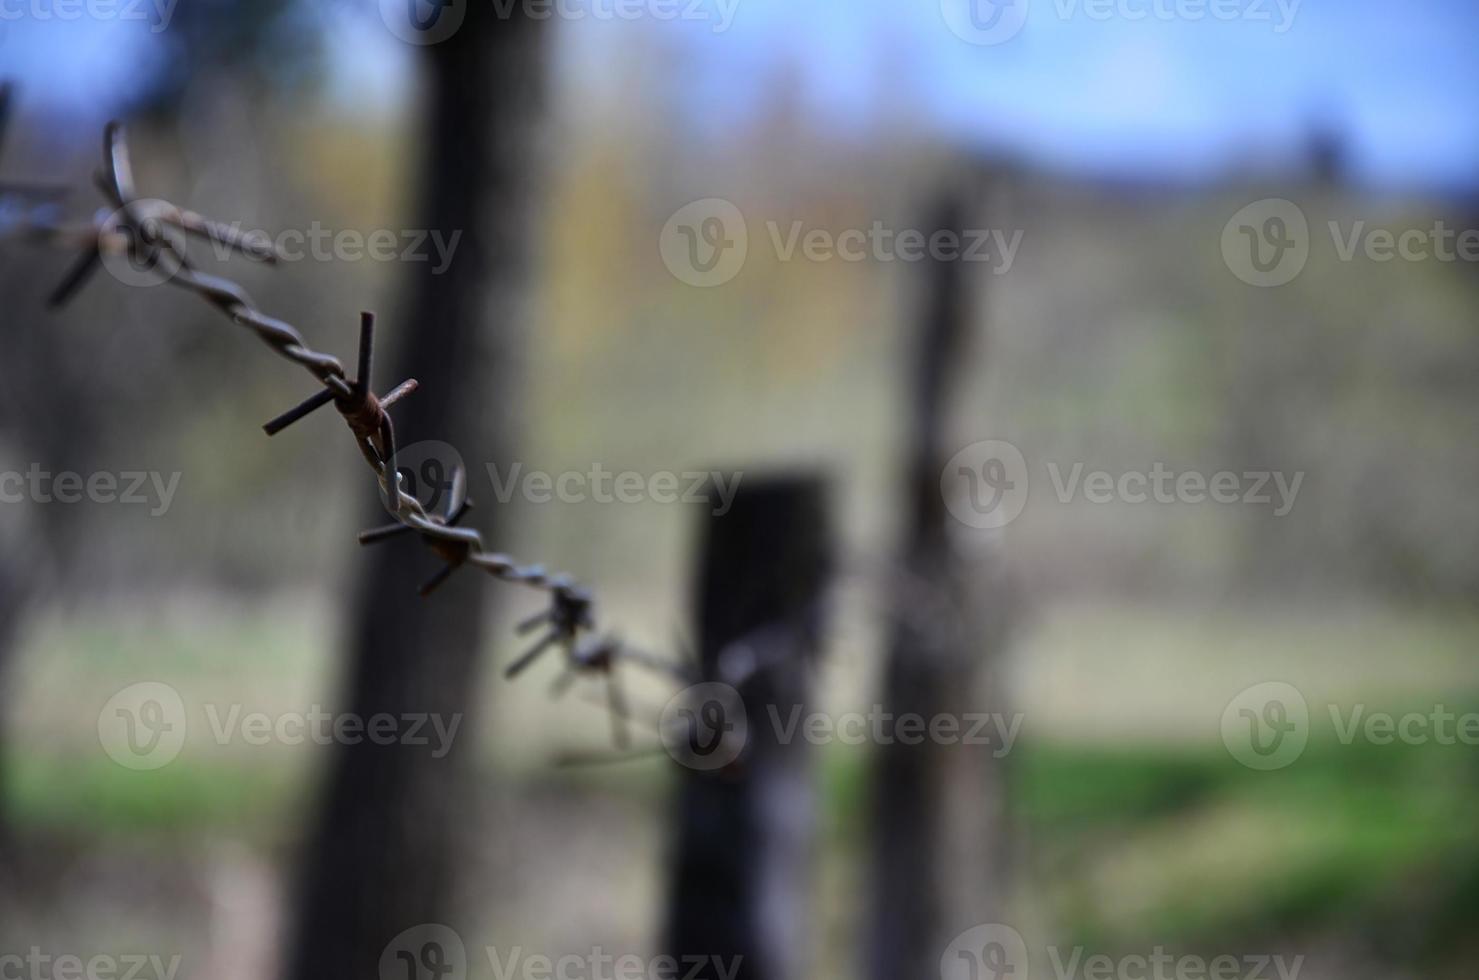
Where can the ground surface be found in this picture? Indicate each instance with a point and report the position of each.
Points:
(1137, 828)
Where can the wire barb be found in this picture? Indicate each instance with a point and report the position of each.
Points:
(138, 228)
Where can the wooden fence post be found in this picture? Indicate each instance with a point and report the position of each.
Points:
(382, 856)
(937, 825)
(740, 887)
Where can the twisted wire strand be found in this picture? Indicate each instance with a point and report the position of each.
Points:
(152, 235)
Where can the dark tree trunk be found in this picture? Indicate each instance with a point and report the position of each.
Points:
(13, 598)
(382, 856)
(50, 412)
(744, 834)
(933, 805)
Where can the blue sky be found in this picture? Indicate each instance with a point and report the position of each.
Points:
(1127, 95)
(1157, 96)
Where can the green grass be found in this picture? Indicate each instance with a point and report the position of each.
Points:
(1128, 840)
(95, 798)
(1138, 845)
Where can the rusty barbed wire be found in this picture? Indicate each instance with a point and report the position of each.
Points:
(152, 234)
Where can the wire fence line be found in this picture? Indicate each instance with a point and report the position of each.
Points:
(151, 235)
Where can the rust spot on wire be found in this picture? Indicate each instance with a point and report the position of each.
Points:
(137, 228)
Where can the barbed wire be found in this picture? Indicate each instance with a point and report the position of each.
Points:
(152, 234)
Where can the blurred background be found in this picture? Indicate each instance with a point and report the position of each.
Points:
(624, 193)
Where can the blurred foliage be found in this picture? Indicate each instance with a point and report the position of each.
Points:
(1119, 339)
(263, 47)
(1126, 843)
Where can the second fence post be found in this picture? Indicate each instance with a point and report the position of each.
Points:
(741, 885)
